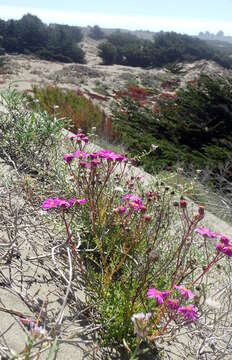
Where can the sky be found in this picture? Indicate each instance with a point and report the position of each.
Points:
(185, 16)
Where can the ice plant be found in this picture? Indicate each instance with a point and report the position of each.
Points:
(158, 295)
(189, 312)
(184, 292)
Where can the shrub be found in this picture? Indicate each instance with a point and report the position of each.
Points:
(25, 135)
(193, 127)
(70, 104)
(166, 48)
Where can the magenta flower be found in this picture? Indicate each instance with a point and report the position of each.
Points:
(173, 304)
(93, 156)
(85, 139)
(73, 201)
(68, 158)
(158, 295)
(184, 292)
(120, 210)
(50, 203)
(132, 198)
(65, 203)
(206, 232)
(136, 206)
(220, 246)
(111, 155)
(224, 239)
(189, 312)
(228, 250)
(80, 154)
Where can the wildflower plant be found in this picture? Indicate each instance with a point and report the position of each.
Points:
(142, 253)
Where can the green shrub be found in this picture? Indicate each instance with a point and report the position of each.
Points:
(25, 135)
(193, 128)
(70, 104)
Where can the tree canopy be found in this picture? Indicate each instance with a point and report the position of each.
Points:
(31, 35)
(166, 48)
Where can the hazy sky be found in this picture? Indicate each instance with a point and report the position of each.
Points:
(186, 16)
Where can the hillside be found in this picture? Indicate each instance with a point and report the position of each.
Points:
(99, 82)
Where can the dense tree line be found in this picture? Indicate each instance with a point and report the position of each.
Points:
(30, 35)
(194, 128)
(166, 47)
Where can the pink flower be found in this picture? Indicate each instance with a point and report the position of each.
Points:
(111, 155)
(184, 292)
(64, 203)
(228, 250)
(68, 158)
(136, 206)
(220, 246)
(173, 304)
(189, 312)
(80, 154)
(73, 201)
(132, 198)
(120, 209)
(85, 139)
(206, 232)
(50, 203)
(158, 295)
(93, 156)
(224, 239)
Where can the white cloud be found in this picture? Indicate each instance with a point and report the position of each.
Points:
(153, 23)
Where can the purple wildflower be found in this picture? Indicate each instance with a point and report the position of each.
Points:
(50, 203)
(158, 295)
(206, 232)
(189, 312)
(68, 158)
(93, 156)
(95, 162)
(184, 292)
(224, 239)
(120, 210)
(74, 201)
(173, 304)
(132, 198)
(80, 154)
(228, 250)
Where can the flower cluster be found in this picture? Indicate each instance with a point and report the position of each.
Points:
(189, 311)
(134, 201)
(224, 245)
(53, 203)
(94, 159)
